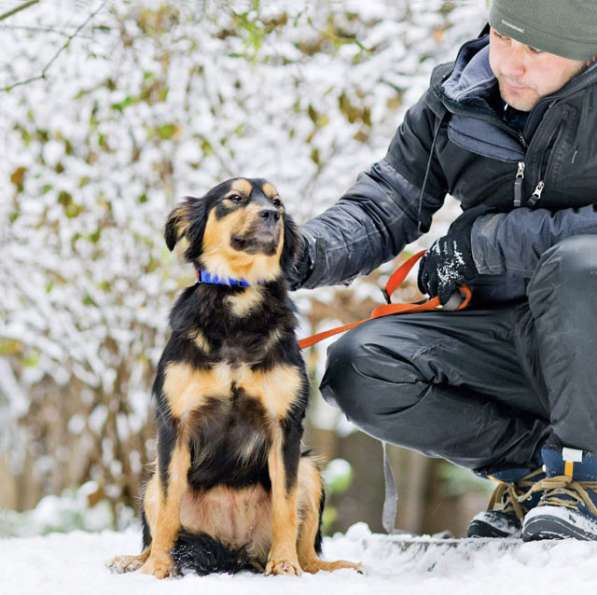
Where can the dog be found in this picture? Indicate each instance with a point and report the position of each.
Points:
(232, 488)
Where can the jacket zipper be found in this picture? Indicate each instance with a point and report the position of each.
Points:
(536, 196)
(551, 147)
(518, 184)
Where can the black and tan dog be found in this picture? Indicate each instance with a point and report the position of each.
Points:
(231, 488)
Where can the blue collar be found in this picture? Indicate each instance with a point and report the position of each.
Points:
(207, 277)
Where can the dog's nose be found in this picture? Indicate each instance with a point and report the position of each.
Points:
(270, 215)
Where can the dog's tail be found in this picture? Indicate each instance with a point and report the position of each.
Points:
(200, 553)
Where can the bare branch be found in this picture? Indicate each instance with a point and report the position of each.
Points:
(17, 9)
(36, 30)
(60, 50)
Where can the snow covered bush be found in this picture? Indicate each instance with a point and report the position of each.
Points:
(151, 101)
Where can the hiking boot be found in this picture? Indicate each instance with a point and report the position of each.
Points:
(504, 515)
(568, 506)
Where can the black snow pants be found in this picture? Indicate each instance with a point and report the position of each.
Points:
(483, 388)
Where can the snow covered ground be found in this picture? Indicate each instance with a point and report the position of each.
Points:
(74, 563)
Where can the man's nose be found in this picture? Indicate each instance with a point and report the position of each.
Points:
(513, 64)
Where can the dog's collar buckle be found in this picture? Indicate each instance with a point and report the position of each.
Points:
(213, 279)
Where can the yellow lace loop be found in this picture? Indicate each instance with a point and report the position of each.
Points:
(507, 496)
(562, 485)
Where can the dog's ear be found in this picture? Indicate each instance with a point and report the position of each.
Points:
(177, 224)
(187, 220)
(292, 243)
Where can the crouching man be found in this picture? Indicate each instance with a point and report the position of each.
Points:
(508, 387)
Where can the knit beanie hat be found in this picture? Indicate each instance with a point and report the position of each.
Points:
(567, 28)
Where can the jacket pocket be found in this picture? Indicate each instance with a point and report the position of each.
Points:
(555, 147)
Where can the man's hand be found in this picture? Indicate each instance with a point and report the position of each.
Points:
(300, 269)
(449, 261)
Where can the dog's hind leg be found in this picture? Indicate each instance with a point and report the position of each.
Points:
(310, 504)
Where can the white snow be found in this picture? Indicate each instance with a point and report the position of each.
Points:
(74, 563)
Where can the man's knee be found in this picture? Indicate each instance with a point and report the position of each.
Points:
(341, 357)
(568, 267)
(364, 379)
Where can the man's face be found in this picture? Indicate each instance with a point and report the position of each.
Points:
(525, 74)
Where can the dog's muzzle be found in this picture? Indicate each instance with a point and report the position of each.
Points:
(262, 236)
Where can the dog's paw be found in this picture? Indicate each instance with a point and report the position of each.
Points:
(121, 564)
(278, 567)
(158, 565)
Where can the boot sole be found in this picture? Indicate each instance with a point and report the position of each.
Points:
(551, 526)
(479, 529)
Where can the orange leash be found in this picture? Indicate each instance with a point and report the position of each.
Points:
(396, 279)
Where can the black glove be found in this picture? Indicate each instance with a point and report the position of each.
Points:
(449, 261)
(300, 269)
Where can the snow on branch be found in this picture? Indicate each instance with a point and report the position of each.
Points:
(17, 9)
(65, 45)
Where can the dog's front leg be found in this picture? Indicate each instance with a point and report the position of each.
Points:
(173, 466)
(283, 462)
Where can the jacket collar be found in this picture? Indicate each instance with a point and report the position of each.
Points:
(471, 78)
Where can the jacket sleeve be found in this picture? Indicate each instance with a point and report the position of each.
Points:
(377, 216)
(513, 242)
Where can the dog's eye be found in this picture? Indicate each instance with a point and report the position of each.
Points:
(277, 202)
(235, 197)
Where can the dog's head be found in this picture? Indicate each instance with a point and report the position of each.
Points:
(238, 229)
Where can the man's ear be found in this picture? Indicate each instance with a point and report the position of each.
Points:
(186, 220)
(292, 242)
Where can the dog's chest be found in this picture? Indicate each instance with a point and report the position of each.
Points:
(188, 389)
(230, 439)
(249, 347)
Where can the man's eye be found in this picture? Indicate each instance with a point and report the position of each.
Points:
(535, 50)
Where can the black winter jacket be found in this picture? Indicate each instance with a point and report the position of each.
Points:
(543, 180)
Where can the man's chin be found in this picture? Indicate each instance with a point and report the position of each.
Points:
(523, 100)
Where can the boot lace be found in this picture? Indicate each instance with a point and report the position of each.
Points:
(507, 495)
(562, 490)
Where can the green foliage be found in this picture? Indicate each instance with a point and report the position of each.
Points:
(251, 30)
(337, 478)
(159, 21)
(10, 347)
(120, 106)
(31, 359)
(331, 38)
(71, 208)
(81, 509)
(352, 112)
(167, 131)
(457, 481)
(18, 178)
